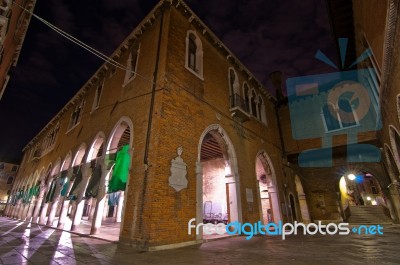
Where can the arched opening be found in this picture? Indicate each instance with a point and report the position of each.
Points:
(362, 198)
(71, 190)
(217, 185)
(269, 204)
(395, 143)
(393, 170)
(88, 187)
(50, 183)
(110, 202)
(305, 214)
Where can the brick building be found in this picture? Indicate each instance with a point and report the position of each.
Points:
(14, 23)
(8, 172)
(205, 138)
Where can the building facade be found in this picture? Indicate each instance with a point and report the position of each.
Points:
(8, 172)
(14, 22)
(203, 137)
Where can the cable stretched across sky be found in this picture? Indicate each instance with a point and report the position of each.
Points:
(80, 43)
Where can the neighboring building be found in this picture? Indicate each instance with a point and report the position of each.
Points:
(14, 23)
(201, 129)
(7, 175)
(204, 139)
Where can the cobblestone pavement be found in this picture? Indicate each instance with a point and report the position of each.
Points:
(25, 243)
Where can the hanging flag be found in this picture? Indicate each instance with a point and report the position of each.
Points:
(121, 170)
(94, 182)
(50, 193)
(77, 179)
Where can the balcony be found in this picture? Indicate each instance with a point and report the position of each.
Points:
(239, 108)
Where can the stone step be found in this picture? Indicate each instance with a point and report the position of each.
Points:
(368, 215)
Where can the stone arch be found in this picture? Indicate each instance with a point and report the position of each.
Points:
(231, 174)
(304, 211)
(56, 167)
(394, 137)
(79, 155)
(45, 177)
(96, 146)
(393, 170)
(40, 175)
(118, 132)
(267, 186)
(67, 162)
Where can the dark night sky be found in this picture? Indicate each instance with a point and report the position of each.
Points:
(266, 35)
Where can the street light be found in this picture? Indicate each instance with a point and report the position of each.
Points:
(351, 176)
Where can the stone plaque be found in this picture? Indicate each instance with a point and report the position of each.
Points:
(178, 180)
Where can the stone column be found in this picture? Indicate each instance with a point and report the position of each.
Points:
(55, 201)
(15, 211)
(80, 203)
(43, 213)
(106, 208)
(39, 201)
(274, 200)
(31, 208)
(65, 203)
(101, 199)
(305, 214)
(199, 198)
(92, 208)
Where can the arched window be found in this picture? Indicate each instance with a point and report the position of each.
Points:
(347, 116)
(254, 103)
(236, 100)
(194, 54)
(263, 115)
(330, 117)
(131, 65)
(246, 96)
(97, 95)
(10, 180)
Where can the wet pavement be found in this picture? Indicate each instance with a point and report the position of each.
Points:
(26, 243)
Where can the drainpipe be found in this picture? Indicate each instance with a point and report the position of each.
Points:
(276, 79)
(146, 150)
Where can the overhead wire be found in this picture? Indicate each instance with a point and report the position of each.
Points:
(83, 45)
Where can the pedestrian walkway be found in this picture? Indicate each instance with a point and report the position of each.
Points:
(26, 243)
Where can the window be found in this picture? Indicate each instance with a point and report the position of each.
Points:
(236, 100)
(339, 117)
(97, 96)
(253, 104)
(261, 110)
(246, 96)
(131, 64)
(76, 115)
(331, 122)
(194, 54)
(10, 180)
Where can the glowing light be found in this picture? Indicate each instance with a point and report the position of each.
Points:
(368, 198)
(374, 202)
(351, 176)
